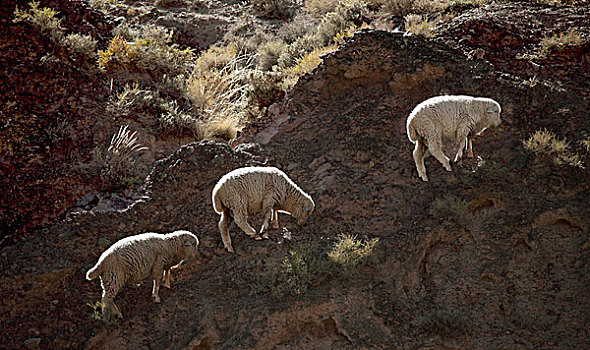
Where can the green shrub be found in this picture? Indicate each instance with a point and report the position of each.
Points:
(119, 56)
(43, 19)
(145, 50)
(303, 267)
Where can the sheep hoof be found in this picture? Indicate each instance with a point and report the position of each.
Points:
(230, 249)
(257, 237)
(265, 236)
(167, 285)
(156, 299)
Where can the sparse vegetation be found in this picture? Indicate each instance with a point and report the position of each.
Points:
(275, 9)
(561, 41)
(82, 47)
(349, 252)
(217, 88)
(302, 267)
(450, 208)
(553, 43)
(416, 24)
(117, 161)
(43, 19)
(545, 142)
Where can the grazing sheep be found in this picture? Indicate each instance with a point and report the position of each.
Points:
(132, 259)
(249, 190)
(457, 118)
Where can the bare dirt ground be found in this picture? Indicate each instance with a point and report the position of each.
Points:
(506, 268)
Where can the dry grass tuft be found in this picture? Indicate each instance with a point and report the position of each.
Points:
(545, 142)
(117, 161)
(349, 251)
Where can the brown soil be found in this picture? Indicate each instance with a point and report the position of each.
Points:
(507, 270)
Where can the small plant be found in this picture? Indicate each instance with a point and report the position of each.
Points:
(298, 27)
(147, 50)
(174, 118)
(450, 208)
(118, 56)
(82, 47)
(301, 268)
(217, 87)
(561, 41)
(552, 43)
(350, 252)
(305, 65)
(96, 310)
(419, 26)
(117, 161)
(399, 8)
(134, 100)
(43, 19)
(275, 9)
(269, 53)
(545, 142)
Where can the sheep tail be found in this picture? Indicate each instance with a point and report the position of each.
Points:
(217, 205)
(94, 272)
(412, 133)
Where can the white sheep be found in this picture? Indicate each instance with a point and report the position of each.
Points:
(456, 118)
(250, 190)
(134, 258)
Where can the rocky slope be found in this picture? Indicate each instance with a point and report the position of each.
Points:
(502, 263)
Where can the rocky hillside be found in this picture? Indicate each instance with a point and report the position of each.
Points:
(492, 255)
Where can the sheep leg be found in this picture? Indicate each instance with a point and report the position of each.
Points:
(419, 154)
(241, 219)
(224, 229)
(110, 288)
(435, 149)
(470, 146)
(461, 137)
(166, 278)
(275, 218)
(268, 214)
(157, 273)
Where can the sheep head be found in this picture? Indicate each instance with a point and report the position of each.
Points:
(492, 113)
(190, 244)
(303, 209)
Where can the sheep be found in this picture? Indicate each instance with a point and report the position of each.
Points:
(457, 118)
(134, 258)
(247, 191)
